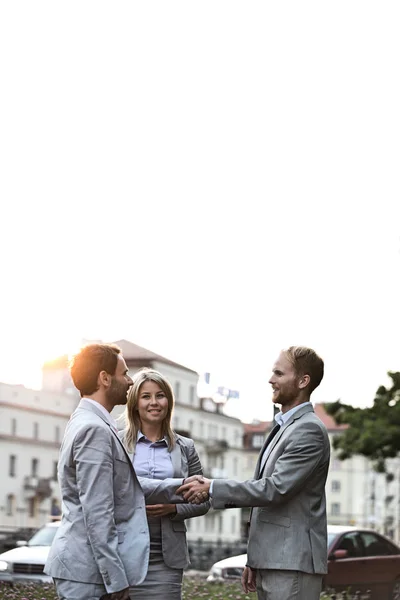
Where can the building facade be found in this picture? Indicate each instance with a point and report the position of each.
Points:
(32, 425)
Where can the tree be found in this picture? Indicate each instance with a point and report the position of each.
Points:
(373, 432)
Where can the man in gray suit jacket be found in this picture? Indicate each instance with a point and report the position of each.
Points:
(102, 545)
(287, 546)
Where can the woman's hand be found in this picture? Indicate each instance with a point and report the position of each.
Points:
(160, 510)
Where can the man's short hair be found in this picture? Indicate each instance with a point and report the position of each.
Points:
(88, 363)
(306, 362)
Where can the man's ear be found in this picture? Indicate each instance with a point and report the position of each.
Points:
(104, 379)
(304, 381)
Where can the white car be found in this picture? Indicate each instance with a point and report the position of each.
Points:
(26, 562)
(228, 568)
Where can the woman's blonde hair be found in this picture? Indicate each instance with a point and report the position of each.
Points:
(131, 414)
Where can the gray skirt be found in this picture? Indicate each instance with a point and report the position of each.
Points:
(162, 582)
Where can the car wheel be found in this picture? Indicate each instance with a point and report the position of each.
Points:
(396, 590)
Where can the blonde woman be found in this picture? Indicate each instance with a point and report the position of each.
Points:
(158, 452)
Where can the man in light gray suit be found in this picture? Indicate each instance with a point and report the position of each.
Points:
(287, 546)
(102, 545)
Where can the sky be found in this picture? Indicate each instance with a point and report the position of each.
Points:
(213, 181)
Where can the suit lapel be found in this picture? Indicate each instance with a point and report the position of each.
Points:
(272, 437)
(268, 447)
(176, 459)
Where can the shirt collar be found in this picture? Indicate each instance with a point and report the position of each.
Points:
(282, 418)
(142, 438)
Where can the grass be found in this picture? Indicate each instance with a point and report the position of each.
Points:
(194, 588)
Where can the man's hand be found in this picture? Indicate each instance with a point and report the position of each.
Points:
(249, 580)
(160, 510)
(195, 489)
(121, 595)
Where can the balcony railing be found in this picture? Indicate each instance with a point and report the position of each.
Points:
(37, 487)
(216, 446)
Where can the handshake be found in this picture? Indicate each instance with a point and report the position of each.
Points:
(195, 489)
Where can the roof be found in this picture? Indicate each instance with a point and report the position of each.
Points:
(134, 354)
(327, 420)
(257, 426)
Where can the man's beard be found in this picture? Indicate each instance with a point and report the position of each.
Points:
(287, 396)
(117, 393)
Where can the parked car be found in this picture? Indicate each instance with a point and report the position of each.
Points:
(358, 560)
(26, 562)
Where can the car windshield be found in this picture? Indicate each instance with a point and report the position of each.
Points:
(43, 537)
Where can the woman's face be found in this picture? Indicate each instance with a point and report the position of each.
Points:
(152, 403)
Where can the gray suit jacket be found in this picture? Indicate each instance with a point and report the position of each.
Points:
(185, 462)
(103, 536)
(288, 528)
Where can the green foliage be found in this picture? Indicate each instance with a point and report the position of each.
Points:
(373, 432)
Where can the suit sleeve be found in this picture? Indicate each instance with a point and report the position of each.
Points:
(161, 491)
(186, 511)
(299, 461)
(93, 458)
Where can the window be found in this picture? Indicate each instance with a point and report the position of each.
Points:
(10, 505)
(233, 524)
(351, 543)
(335, 509)
(235, 466)
(57, 434)
(336, 465)
(32, 507)
(201, 429)
(177, 389)
(36, 431)
(220, 524)
(34, 467)
(191, 427)
(335, 486)
(12, 466)
(257, 441)
(13, 426)
(191, 394)
(375, 545)
(55, 466)
(55, 510)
